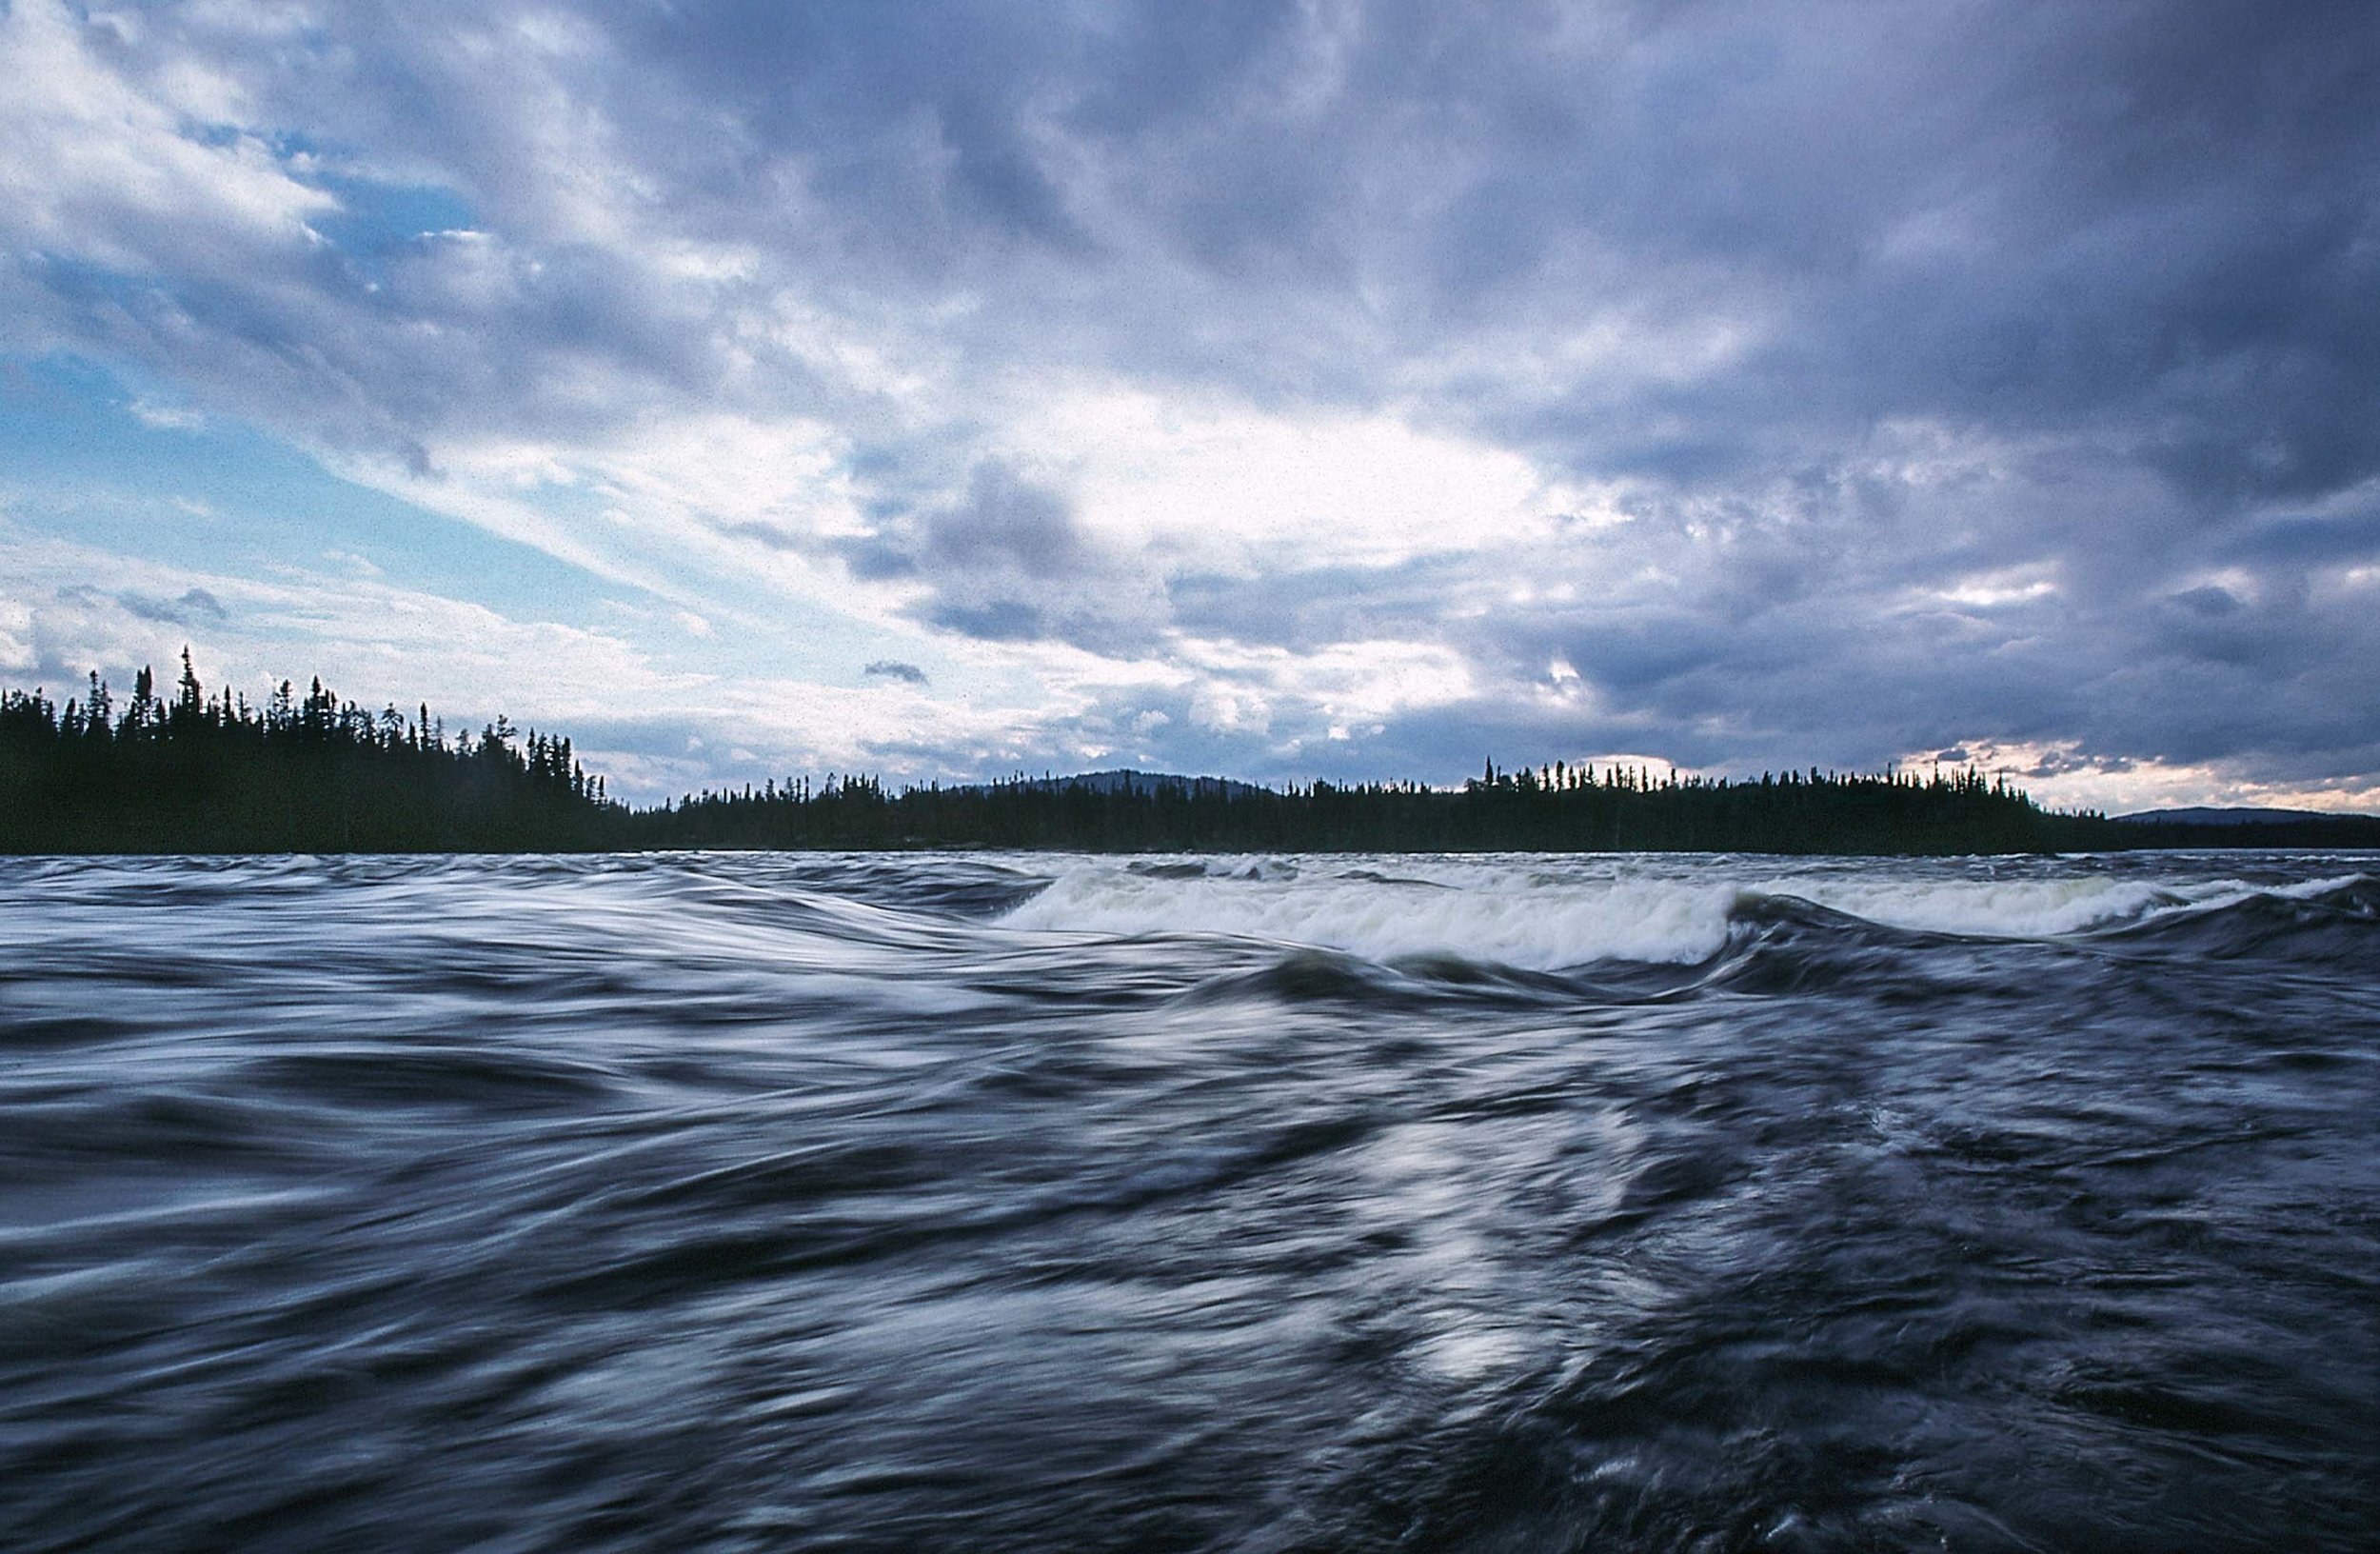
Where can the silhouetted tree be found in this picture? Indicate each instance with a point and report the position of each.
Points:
(319, 774)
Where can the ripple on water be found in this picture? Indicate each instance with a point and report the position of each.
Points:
(1004, 1202)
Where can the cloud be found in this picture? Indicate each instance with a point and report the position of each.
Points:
(1005, 523)
(165, 417)
(893, 668)
(630, 713)
(1010, 561)
(1994, 379)
(191, 605)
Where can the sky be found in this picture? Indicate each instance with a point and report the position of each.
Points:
(1338, 389)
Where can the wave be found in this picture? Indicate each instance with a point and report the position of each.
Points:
(1549, 918)
(1540, 927)
(2321, 921)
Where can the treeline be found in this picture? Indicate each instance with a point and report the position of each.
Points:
(1560, 810)
(302, 773)
(196, 772)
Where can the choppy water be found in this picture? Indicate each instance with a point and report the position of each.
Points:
(745, 1202)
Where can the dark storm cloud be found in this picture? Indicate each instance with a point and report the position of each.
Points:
(1001, 525)
(1954, 364)
(2153, 218)
(2350, 537)
(191, 607)
(2141, 227)
(1309, 608)
(1006, 562)
(1005, 523)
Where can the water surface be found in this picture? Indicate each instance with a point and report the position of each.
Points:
(1026, 1202)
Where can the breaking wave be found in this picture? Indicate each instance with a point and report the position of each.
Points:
(1546, 916)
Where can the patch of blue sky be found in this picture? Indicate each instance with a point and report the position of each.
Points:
(373, 212)
(110, 457)
(102, 456)
(376, 220)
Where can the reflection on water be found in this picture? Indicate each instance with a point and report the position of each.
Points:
(1017, 1202)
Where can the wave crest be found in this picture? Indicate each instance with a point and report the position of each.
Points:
(1550, 917)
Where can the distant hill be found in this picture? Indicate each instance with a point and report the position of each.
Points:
(2209, 826)
(2203, 816)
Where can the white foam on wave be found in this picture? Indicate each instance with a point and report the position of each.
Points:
(1984, 909)
(1546, 919)
(1520, 924)
(2036, 909)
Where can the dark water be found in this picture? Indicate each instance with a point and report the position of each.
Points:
(917, 1203)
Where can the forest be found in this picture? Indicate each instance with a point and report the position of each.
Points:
(307, 772)
(194, 773)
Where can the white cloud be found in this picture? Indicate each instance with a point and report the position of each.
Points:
(149, 412)
(1209, 480)
(2063, 775)
(374, 643)
(94, 168)
(16, 636)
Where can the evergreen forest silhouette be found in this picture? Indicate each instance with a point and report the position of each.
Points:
(192, 773)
